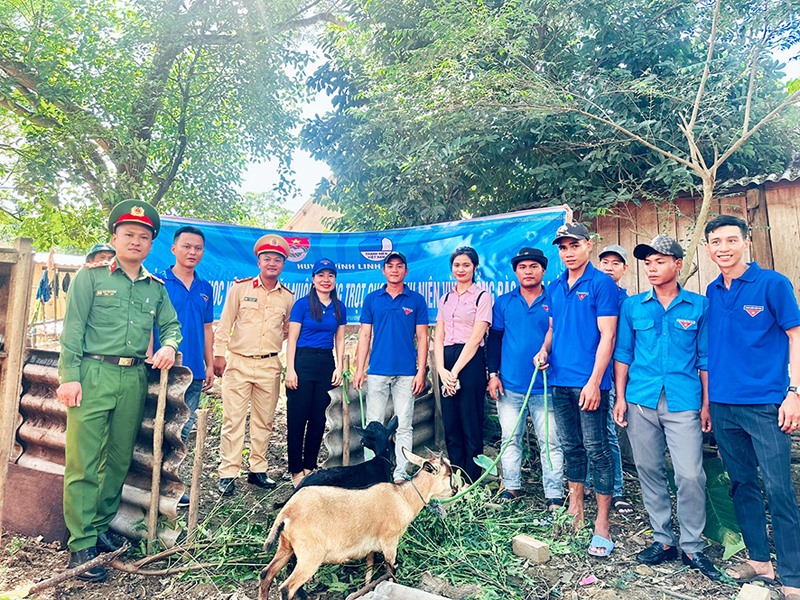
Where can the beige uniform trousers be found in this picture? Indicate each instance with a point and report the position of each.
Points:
(253, 381)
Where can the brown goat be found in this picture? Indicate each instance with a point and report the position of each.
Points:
(328, 525)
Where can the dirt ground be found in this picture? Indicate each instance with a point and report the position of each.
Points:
(570, 576)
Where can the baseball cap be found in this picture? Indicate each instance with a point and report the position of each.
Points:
(576, 231)
(661, 244)
(615, 249)
(322, 264)
(529, 254)
(395, 254)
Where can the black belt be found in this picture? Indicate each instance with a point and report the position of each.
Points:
(122, 361)
(270, 355)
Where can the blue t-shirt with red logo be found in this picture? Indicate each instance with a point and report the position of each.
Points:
(317, 334)
(748, 349)
(394, 325)
(576, 337)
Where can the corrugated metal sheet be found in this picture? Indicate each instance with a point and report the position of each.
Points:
(423, 423)
(41, 438)
(790, 174)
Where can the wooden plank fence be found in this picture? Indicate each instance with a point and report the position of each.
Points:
(771, 209)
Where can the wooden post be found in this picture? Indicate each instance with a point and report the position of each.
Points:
(758, 219)
(158, 441)
(438, 426)
(345, 416)
(12, 354)
(197, 469)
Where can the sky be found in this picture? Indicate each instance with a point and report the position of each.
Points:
(262, 177)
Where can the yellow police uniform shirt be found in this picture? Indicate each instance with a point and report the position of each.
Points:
(110, 315)
(254, 320)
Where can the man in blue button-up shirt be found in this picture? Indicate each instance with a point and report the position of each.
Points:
(660, 368)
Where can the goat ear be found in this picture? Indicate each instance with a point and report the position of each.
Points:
(391, 426)
(426, 466)
(359, 430)
(413, 458)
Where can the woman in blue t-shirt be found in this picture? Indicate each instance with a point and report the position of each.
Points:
(316, 328)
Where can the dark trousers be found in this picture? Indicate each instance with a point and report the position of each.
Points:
(462, 413)
(749, 438)
(305, 407)
(584, 438)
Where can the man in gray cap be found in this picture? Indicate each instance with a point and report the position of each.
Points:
(660, 366)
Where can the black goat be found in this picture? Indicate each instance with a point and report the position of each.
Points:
(377, 438)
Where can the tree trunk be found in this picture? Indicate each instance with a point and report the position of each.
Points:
(700, 223)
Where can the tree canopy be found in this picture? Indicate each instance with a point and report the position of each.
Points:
(163, 100)
(452, 107)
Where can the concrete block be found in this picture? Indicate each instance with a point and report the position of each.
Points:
(530, 548)
(753, 592)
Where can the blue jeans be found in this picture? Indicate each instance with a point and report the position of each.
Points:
(508, 408)
(192, 399)
(749, 439)
(613, 446)
(379, 388)
(584, 438)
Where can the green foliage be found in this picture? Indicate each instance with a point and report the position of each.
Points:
(447, 107)
(161, 100)
(721, 523)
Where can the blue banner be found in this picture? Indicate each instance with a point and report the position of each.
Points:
(359, 256)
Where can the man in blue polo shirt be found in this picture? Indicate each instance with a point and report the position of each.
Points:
(753, 379)
(520, 322)
(584, 305)
(395, 315)
(660, 364)
(193, 299)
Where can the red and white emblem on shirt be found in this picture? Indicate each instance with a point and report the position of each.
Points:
(582, 295)
(546, 308)
(685, 323)
(753, 310)
(408, 311)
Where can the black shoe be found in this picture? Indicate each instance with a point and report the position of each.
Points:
(261, 480)
(97, 573)
(226, 486)
(184, 501)
(702, 564)
(109, 542)
(655, 554)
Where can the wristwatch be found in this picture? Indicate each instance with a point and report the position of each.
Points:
(497, 374)
(794, 388)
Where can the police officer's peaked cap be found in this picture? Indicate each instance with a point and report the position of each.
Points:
(272, 242)
(137, 212)
(97, 248)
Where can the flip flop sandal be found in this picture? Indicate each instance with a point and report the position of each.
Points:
(554, 504)
(622, 506)
(509, 495)
(598, 541)
(745, 573)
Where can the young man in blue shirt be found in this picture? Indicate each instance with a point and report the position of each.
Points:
(193, 299)
(395, 315)
(584, 305)
(753, 379)
(660, 367)
(520, 322)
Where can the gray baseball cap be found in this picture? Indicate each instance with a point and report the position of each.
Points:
(615, 249)
(661, 244)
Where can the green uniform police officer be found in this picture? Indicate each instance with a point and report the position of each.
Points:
(111, 310)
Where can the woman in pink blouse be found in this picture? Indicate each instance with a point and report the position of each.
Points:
(465, 313)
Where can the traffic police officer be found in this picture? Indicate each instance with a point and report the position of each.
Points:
(111, 310)
(252, 328)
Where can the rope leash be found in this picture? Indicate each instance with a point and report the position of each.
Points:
(522, 412)
(347, 376)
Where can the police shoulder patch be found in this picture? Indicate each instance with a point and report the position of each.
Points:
(158, 279)
(243, 279)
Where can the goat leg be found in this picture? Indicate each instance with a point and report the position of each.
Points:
(370, 567)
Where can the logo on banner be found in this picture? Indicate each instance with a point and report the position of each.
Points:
(753, 310)
(582, 295)
(686, 323)
(408, 311)
(298, 248)
(375, 248)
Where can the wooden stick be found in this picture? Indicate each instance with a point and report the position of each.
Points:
(72, 573)
(369, 587)
(345, 418)
(197, 469)
(158, 441)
